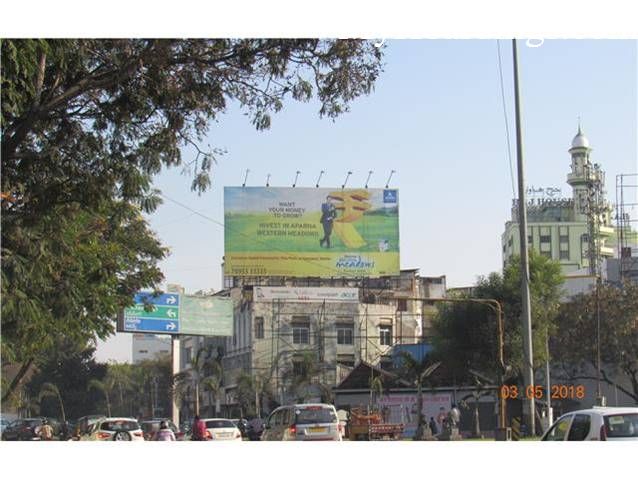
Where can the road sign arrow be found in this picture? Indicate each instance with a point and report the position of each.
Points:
(171, 326)
(171, 313)
(171, 300)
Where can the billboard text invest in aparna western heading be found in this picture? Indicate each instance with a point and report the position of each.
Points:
(320, 232)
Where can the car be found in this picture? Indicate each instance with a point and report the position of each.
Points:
(595, 424)
(27, 429)
(114, 429)
(151, 426)
(3, 424)
(221, 429)
(83, 424)
(303, 422)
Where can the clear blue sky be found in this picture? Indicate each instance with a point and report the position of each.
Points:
(436, 117)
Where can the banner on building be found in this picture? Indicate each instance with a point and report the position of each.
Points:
(330, 295)
(402, 409)
(320, 232)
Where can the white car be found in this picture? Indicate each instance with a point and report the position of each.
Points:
(596, 424)
(115, 429)
(303, 422)
(221, 429)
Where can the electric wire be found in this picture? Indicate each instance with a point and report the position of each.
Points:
(507, 129)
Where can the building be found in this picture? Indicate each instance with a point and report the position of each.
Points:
(338, 323)
(562, 228)
(150, 346)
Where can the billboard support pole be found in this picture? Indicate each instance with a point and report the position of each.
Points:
(387, 183)
(175, 360)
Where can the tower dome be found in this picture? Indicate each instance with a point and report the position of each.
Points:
(580, 140)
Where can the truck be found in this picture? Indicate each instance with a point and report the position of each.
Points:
(369, 426)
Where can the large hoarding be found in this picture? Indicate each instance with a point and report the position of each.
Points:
(321, 232)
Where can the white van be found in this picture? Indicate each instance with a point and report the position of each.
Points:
(303, 422)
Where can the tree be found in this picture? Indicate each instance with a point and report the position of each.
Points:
(69, 366)
(575, 344)
(105, 387)
(199, 370)
(51, 390)
(465, 333)
(85, 124)
(304, 373)
(213, 383)
(417, 372)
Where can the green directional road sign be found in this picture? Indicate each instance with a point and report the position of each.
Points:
(156, 312)
(172, 313)
(206, 316)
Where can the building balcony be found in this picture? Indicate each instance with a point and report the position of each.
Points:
(607, 231)
(607, 252)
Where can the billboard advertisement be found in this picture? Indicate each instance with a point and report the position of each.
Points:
(402, 409)
(309, 294)
(321, 232)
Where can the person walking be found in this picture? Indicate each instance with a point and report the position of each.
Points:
(328, 215)
(46, 431)
(199, 430)
(165, 433)
(433, 427)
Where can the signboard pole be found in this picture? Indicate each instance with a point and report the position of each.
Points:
(175, 369)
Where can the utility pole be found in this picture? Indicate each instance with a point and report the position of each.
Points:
(529, 413)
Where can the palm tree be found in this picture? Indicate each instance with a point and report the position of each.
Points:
(104, 387)
(213, 383)
(301, 380)
(199, 365)
(51, 390)
(418, 373)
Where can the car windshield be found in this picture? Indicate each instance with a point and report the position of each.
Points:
(119, 425)
(33, 422)
(313, 415)
(621, 425)
(150, 426)
(218, 423)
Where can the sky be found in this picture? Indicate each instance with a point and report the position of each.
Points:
(436, 117)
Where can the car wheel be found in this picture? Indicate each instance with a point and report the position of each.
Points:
(121, 436)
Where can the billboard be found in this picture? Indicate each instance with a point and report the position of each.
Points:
(403, 409)
(309, 294)
(321, 232)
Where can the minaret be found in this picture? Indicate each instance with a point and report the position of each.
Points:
(577, 178)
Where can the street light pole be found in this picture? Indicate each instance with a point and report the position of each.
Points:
(529, 413)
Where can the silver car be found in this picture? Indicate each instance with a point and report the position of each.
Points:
(596, 424)
(303, 422)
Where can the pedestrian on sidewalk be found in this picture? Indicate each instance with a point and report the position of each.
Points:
(164, 433)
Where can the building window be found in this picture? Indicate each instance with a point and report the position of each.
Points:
(402, 304)
(564, 255)
(298, 368)
(385, 335)
(346, 360)
(259, 328)
(188, 353)
(530, 239)
(345, 333)
(546, 239)
(547, 254)
(300, 331)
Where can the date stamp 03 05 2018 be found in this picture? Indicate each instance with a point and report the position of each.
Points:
(558, 391)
